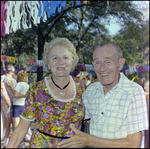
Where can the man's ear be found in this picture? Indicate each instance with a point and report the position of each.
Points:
(93, 63)
(121, 63)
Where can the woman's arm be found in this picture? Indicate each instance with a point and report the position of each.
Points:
(19, 134)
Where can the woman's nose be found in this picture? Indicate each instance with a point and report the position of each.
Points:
(61, 61)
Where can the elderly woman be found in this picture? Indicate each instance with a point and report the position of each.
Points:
(54, 102)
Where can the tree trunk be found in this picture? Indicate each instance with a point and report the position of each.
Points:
(41, 41)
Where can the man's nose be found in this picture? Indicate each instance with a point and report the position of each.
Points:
(102, 67)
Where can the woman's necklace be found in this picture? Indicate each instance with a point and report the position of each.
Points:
(62, 93)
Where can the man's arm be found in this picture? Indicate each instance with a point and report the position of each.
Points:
(131, 141)
(82, 139)
(15, 93)
(18, 95)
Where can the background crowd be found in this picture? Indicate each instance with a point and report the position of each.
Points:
(13, 93)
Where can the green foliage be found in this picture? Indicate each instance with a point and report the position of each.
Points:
(132, 38)
(85, 26)
(22, 42)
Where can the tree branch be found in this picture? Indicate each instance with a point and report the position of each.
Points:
(60, 15)
(95, 17)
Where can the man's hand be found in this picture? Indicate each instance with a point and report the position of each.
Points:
(9, 85)
(79, 140)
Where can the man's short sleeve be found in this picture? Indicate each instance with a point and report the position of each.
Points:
(137, 119)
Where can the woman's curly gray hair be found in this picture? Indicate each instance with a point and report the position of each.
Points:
(60, 41)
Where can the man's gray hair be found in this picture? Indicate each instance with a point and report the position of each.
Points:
(118, 49)
(10, 68)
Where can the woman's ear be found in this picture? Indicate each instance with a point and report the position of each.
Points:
(48, 67)
(121, 63)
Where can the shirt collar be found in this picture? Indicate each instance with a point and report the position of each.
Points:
(124, 83)
(121, 84)
(9, 75)
(122, 80)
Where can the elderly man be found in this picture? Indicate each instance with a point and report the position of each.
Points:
(8, 78)
(115, 105)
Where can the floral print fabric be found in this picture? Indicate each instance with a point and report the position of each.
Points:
(53, 116)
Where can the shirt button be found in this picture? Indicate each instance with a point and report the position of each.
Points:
(102, 113)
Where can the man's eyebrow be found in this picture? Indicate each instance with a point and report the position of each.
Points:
(108, 58)
(104, 58)
(95, 59)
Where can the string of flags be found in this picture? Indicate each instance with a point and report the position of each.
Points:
(33, 65)
(14, 13)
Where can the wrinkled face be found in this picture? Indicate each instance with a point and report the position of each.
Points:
(60, 62)
(107, 66)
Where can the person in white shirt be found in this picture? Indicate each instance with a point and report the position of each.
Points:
(19, 93)
(115, 105)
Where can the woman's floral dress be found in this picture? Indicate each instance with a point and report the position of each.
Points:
(53, 115)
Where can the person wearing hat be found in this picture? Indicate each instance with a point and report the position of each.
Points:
(85, 77)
